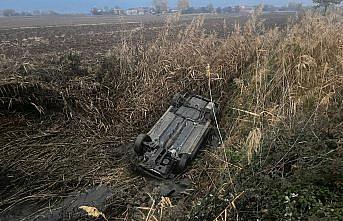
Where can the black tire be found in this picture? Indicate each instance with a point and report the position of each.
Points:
(181, 165)
(139, 147)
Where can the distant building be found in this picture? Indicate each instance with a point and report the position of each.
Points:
(97, 11)
(243, 9)
(246, 9)
(108, 11)
(132, 11)
(174, 10)
(140, 11)
(117, 11)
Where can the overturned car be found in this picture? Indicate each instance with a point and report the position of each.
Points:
(176, 137)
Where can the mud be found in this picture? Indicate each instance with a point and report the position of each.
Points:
(68, 209)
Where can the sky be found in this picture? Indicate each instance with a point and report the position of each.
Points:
(85, 5)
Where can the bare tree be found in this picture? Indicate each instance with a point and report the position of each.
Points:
(160, 5)
(210, 8)
(326, 3)
(183, 4)
(9, 12)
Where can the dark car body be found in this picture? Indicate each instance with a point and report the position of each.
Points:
(176, 137)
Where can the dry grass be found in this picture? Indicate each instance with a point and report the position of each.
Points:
(268, 81)
(286, 104)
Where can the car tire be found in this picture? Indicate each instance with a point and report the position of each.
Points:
(181, 165)
(139, 147)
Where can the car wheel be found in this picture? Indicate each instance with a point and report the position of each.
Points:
(181, 165)
(139, 147)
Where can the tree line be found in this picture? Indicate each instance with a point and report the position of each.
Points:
(12, 12)
(161, 6)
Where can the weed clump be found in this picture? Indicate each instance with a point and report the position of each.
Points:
(292, 96)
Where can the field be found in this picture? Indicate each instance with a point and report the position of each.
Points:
(23, 39)
(76, 91)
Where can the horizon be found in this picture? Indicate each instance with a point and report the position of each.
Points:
(84, 6)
